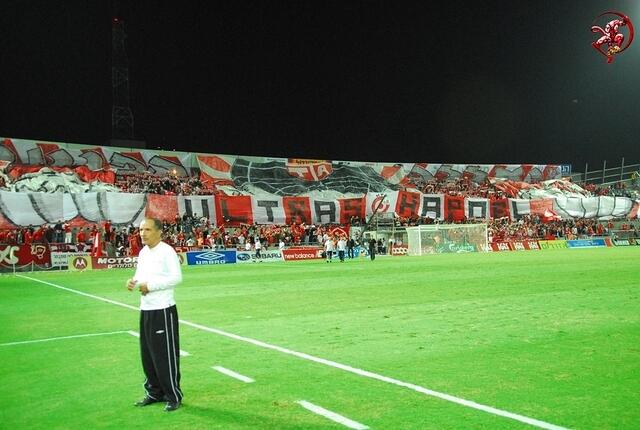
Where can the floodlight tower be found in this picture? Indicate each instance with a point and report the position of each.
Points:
(121, 115)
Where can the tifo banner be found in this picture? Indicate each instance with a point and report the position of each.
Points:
(25, 209)
(21, 152)
(295, 254)
(35, 209)
(256, 175)
(265, 256)
(197, 258)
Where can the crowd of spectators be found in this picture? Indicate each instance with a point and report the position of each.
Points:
(149, 183)
(186, 231)
(197, 232)
(532, 227)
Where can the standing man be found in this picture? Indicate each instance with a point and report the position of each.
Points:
(258, 247)
(372, 249)
(328, 248)
(342, 246)
(157, 274)
(351, 244)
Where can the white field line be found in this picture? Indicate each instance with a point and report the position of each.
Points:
(365, 373)
(233, 374)
(60, 338)
(136, 334)
(332, 415)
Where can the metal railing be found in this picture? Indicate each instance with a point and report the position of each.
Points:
(608, 175)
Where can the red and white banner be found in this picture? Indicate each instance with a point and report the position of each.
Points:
(35, 209)
(19, 256)
(324, 180)
(516, 245)
(93, 160)
(399, 250)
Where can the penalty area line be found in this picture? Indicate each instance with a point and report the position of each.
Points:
(76, 336)
(364, 373)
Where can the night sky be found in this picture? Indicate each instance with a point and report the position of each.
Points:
(509, 82)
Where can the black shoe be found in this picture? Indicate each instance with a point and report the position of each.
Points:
(146, 401)
(171, 406)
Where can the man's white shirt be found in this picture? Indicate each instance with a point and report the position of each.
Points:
(328, 245)
(160, 268)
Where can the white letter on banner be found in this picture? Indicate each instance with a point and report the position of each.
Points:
(267, 210)
(519, 207)
(325, 212)
(432, 206)
(476, 208)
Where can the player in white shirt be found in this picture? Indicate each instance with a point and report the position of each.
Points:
(328, 248)
(342, 247)
(258, 247)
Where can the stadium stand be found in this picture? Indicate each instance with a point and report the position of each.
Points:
(303, 200)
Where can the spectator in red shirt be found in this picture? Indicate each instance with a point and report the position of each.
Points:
(134, 243)
(107, 230)
(38, 235)
(81, 237)
(28, 236)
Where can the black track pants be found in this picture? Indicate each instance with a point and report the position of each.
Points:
(160, 351)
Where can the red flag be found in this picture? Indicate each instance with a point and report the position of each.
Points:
(340, 231)
(549, 216)
(96, 250)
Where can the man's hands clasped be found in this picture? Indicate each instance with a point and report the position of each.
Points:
(142, 286)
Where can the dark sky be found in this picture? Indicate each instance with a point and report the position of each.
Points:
(508, 82)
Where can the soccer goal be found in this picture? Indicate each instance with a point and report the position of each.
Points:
(447, 238)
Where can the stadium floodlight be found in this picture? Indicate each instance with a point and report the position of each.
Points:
(447, 238)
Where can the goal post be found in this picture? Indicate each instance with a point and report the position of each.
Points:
(447, 238)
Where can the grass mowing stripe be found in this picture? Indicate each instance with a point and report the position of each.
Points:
(468, 403)
(332, 415)
(61, 337)
(233, 374)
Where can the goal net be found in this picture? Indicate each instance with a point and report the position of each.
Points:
(447, 238)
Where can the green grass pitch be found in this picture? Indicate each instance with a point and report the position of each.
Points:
(550, 335)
